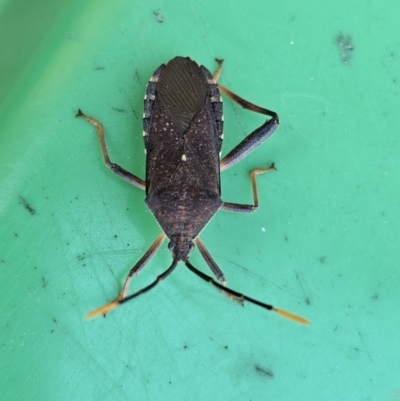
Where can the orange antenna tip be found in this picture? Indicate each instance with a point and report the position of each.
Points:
(290, 316)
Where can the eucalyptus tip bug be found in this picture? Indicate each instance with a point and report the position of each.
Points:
(183, 133)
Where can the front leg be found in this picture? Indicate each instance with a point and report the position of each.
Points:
(121, 172)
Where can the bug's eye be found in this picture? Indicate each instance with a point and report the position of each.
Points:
(191, 246)
(171, 246)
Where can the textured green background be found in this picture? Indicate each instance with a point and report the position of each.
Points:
(324, 243)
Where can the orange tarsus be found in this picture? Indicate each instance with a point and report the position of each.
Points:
(103, 310)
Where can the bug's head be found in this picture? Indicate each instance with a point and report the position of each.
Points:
(181, 248)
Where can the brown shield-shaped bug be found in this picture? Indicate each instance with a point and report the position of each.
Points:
(182, 131)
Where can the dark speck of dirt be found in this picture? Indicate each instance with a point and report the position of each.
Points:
(322, 259)
(158, 16)
(263, 371)
(346, 47)
(118, 110)
(375, 297)
(27, 205)
(81, 256)
(137, 77)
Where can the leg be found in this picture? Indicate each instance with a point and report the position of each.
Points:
(256, 138)
(239, 208)
(133, 272)
(210, 261)
(215, 269)
(125, 175)
(237, 295)
(217, 73)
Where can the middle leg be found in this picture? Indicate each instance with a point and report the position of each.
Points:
(240, 208)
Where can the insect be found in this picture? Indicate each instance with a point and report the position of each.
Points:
(183, 132)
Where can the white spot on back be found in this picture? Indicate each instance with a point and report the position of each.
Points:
(184, 158)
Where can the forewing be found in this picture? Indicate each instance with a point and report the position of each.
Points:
(182, 139)
(202, 149)
(164, 149)
(182, 90)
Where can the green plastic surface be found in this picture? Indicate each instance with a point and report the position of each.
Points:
(324, 243)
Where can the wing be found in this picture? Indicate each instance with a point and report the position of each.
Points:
(182, 128)
(164, 149)
(182, 90)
